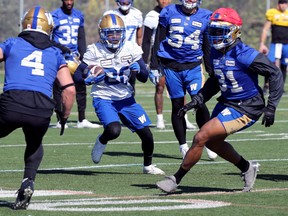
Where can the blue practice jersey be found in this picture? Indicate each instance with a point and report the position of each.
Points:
(30, 68)
(236, 81)
(183, 42)
(66, 27)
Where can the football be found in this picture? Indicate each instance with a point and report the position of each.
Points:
(94, 70)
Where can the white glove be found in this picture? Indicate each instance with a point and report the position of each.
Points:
(154, 76)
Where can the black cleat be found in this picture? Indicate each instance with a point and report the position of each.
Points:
(24, 195)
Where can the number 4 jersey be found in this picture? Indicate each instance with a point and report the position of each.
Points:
(30, 69)
(66, 27)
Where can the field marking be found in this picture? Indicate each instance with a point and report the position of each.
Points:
(67, 205)
(132, 165)
(283, 136)
(41, 193)
(137, 203)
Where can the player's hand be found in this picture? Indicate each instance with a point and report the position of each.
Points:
(154, 76)
(62, 121)
(197, 101)
(269, 116)
(135, 67)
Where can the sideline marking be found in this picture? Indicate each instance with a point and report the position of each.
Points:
(172, 204)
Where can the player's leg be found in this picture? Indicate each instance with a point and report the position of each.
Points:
(158, 99)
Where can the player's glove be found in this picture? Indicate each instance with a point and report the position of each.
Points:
(91, 79)
(269, 116)
(197, 101)
(135, 67)
(154, 76)
(62, 121)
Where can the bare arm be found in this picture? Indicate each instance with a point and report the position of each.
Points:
(139, 36)
(263, 48)
(68, 93)
(1, 55)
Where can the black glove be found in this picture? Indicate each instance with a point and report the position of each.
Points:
(197, 101)
(269, 116)
(62, 121)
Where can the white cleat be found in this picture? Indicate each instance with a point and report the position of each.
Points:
(212, 155)
(153, 170)
(189, 125)
(58, 125)
(183, 149)
(87, 124)
(160, 124)
(97, 151)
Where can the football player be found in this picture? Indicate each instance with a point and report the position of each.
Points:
(69, 31)
(133, 21)
(235, 70)
(32, 63)
(150, 26)
(113, 94)
(180, 44)
(277, 21)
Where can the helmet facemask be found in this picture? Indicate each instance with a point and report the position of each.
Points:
(124, 5)
(223, 34)
(112, 31)
(190, 5)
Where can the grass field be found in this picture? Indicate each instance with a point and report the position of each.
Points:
(68, 183)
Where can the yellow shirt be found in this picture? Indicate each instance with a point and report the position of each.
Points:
(279, 27)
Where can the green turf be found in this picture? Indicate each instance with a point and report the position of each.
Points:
(118, 177)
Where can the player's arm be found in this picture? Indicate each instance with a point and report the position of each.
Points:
(143, 73)
(146, 43)
(68, 90)
(263, 48)
(81, 41)
(206, 47)
(160, 36)
(263, 66)
(139, 35)
(1, 55)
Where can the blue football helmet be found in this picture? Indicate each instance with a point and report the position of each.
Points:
(190, 5)
(112, 31)
(124, 4)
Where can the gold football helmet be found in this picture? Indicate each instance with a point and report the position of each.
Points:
(72, 61)
(112, 31)
(37, 19)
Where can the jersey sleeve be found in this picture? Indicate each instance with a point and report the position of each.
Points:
(151, 20)
(269, 14)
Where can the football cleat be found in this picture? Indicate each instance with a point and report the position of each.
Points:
(211, 155)
(87, 124)
(24, 195)
(153, 170)
(97, 151)
(249, 177)
(168, 185)
(183, 149)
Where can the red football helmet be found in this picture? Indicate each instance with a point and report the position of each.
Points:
(224, 27)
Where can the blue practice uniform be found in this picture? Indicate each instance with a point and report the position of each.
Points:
(66, 27)
(185, 39)
(30, 69)
(235, 74)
